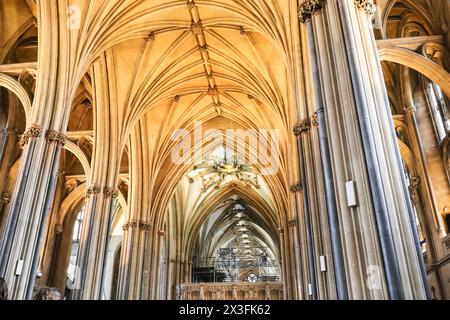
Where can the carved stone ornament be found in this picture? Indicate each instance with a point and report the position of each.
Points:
(93, 190)
(196, 27)
(33, 132)
(296, 187)
(310, 8)
(302, 126)
(136, 224)
(315, 120)
(55, 137)
(367, 6)
(111, 193)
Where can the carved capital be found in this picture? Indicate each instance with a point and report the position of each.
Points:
(367, 6)
(93, 190)
(297, 187)
(110, 193)
(4, 197)
(137, 225)
(292, 223)
(302, 126)
(309, 8)
(410, 110)
(55, 137)
(144, 226)
(33, 132)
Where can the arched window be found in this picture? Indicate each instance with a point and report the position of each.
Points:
(251, 278)
(75, 244)
(438, 110)
(419, 219)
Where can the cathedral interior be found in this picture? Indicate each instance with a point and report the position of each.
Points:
(225, 149)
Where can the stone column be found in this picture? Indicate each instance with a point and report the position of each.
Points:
(51, 232)
(363, 152)
(92, 252)
(295, 225)
(30, 205)
(300, 130)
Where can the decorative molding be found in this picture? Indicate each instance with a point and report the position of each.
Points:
(33, 132)
(367, 6)
(310, 8)
(302, 126)
(55, 137)
(296, 187)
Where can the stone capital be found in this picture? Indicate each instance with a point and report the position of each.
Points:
(31, 133)
(367, 6)
(110, 193)
(55, 137)
(93, 190)
(309, 8)
(297, 187)
(302, 126)
(410, 110)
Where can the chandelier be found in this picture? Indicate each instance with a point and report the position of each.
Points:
(219, 169)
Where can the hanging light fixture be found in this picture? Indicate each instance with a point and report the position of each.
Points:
(219, 170)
